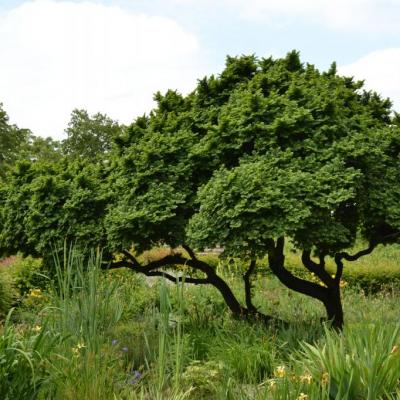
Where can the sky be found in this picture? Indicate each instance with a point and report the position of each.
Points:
(112, 56)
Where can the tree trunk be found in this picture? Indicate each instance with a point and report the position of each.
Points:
(333, 306)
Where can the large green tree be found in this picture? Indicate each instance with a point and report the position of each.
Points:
(267, 152)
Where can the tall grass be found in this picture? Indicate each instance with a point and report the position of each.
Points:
(361, 363)
(113, 335)
(163, 340)
(84, 310)
(87, 306)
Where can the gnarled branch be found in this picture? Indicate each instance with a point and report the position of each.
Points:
(339, 257)
(130, 257)
(361, 253)
(196, 264)
(339, 267)
(276, 261)
(317, 269)
(153, 269)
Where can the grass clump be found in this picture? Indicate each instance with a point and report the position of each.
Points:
(25, 360)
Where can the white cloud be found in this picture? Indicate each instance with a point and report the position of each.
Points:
(380, 69)
(56, 56)
(363, 16)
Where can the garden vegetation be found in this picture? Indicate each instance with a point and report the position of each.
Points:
(293, 173)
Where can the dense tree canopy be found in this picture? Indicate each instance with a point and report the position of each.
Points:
(268, 151)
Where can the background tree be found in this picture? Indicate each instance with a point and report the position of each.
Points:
(42, 149)
(12, 141)
(20, 144)
(268, 151)
(89, 136)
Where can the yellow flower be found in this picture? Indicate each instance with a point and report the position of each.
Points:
(272, 384)
(325, 378)
(303, 396)
(342, 284)
(280, 371)
(78, 348)
(307, 378)
(35, 293)
(37, 328)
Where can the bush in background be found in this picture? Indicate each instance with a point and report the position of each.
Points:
(27, 274)
(7, 293)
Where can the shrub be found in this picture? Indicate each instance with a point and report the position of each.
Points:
(24, 356)
(373, 280)
(27, 274)
(7, 293)
(203, 377)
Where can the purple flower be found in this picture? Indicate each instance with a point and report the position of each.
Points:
(135, 378)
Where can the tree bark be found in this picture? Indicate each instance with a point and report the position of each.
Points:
(328, 293)
(247, 286)
(333, 306)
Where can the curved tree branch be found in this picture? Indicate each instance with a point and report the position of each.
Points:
(191, 253)
(339, 267)
(354, 257)
(153, 269)
(130, 257)
(317, 269)
(196, 264)
(276, 261)
(339, 257)
(175, 279)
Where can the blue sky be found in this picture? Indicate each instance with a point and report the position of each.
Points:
(110, 56)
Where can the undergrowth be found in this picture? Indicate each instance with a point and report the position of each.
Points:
(95, 334)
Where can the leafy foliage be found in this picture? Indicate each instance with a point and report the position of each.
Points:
(49, 203)
(268, 148)
(23, 358)
(362, 364)
(27, 274)
(7, 293)
(89, 136)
